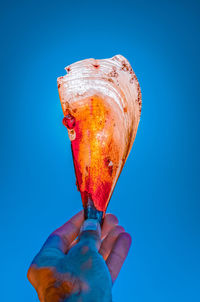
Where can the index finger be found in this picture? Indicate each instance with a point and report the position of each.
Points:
(62, 237)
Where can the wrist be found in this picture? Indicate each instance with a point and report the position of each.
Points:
(89, 298)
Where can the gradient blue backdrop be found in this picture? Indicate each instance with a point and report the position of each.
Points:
(157, 195)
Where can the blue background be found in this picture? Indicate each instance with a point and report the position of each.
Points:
(157, 196)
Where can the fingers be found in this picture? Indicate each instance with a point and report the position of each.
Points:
(108, 242)
(118, 254)
(109, 222)
(62, 237)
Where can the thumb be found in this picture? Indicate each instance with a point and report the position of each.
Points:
(90, 233)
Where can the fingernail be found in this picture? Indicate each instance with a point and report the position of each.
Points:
(91, 225)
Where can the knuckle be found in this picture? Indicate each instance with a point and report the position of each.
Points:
(127, 237)
(112, 218)
(31, 275)
(118, 229)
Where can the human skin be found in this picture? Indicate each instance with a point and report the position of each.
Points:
(80, 269)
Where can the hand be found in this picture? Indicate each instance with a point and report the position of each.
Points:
(83, 269)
